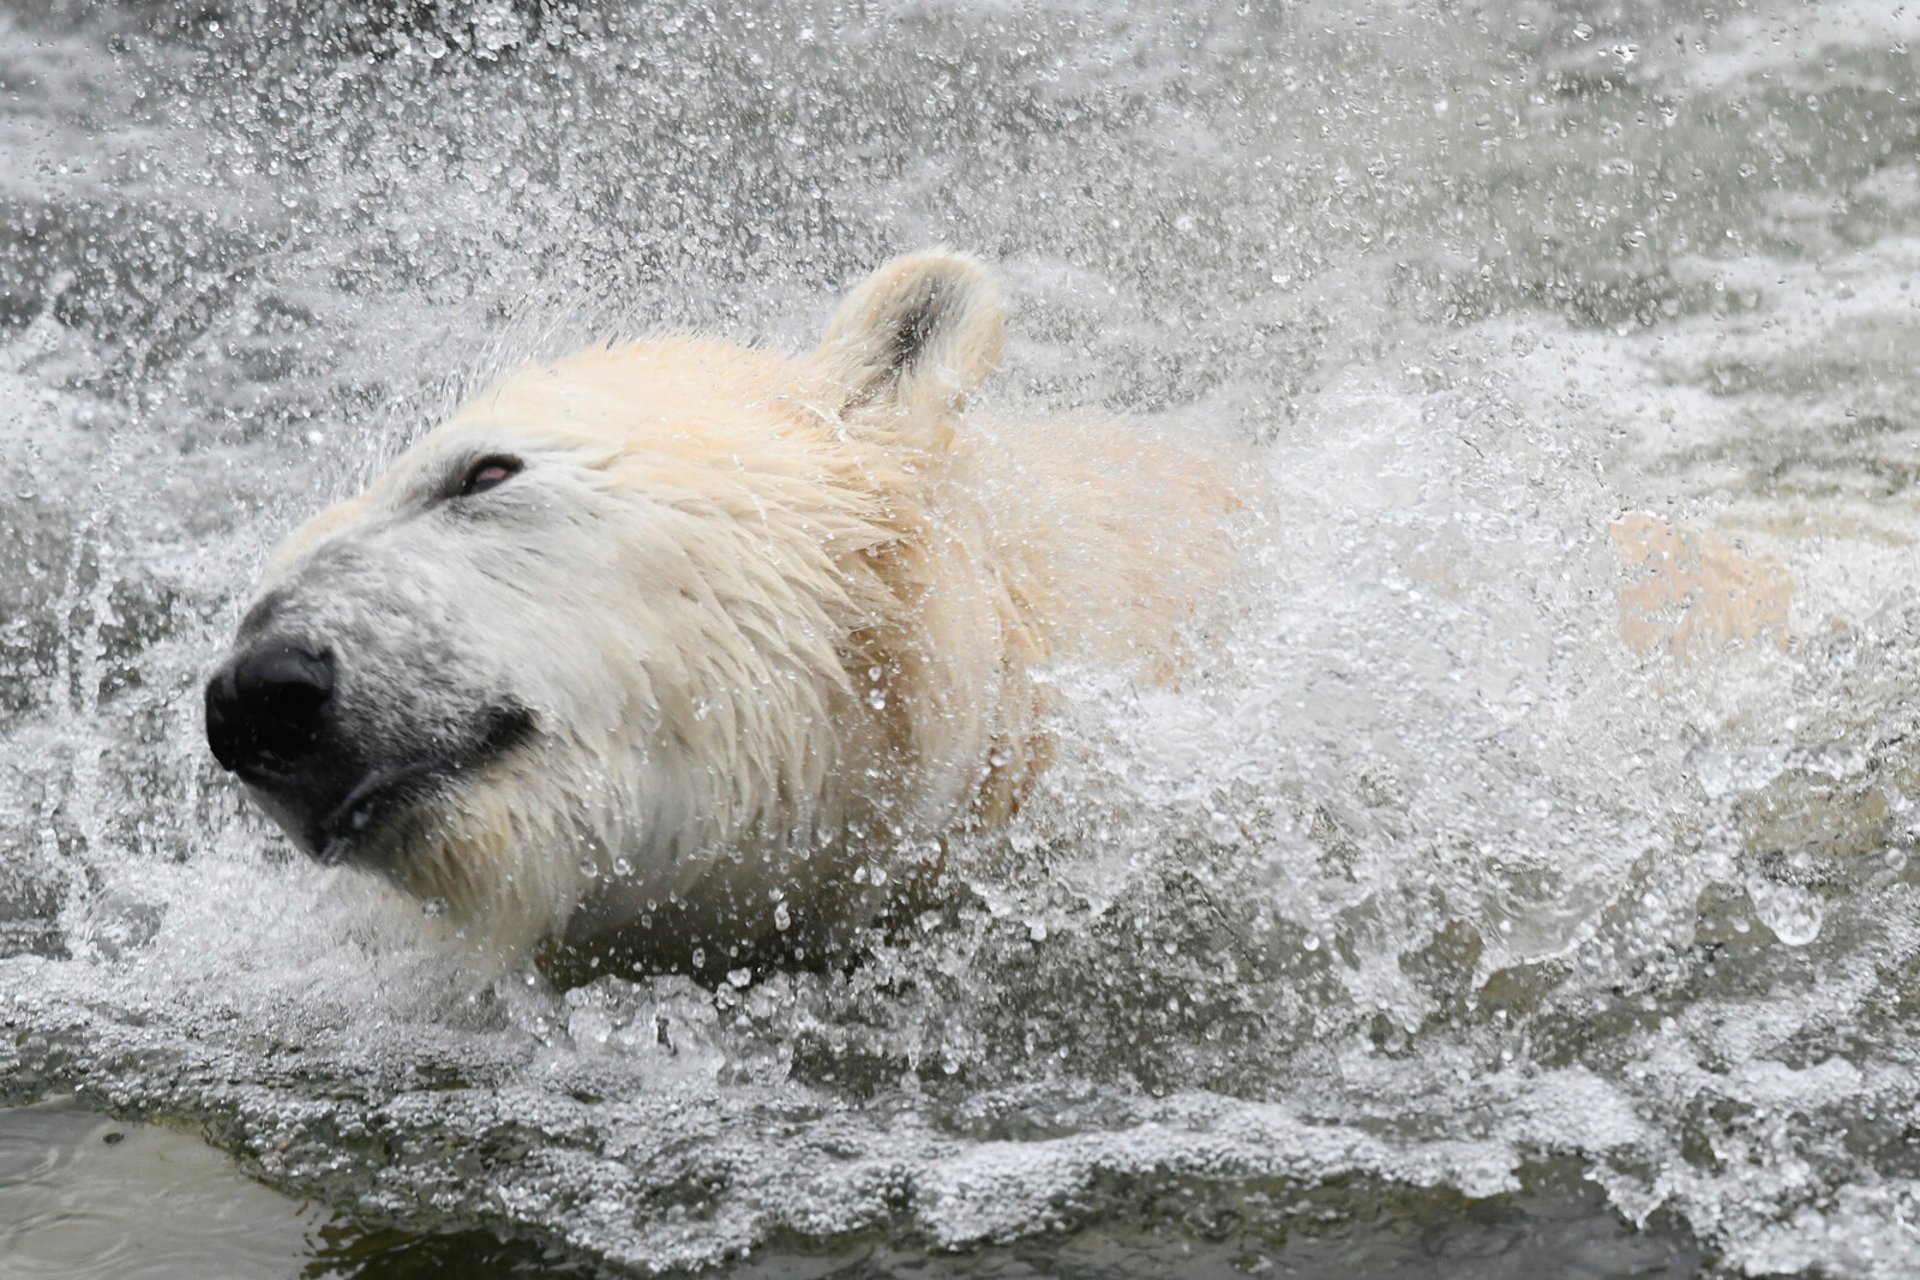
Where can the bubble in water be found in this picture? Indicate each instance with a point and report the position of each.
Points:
(1794, 914)
(435, 908)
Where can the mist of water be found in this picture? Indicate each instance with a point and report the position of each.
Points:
(1423, 878)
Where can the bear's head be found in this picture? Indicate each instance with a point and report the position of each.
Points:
(613, 621)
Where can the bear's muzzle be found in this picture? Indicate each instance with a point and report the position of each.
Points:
(265, 709)
(273, 720)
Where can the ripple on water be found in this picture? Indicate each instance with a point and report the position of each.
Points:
(87, 1198)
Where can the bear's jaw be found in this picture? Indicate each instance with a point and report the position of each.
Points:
(387, 794)
(338, 808)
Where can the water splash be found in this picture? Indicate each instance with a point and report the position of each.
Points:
(1424, 878)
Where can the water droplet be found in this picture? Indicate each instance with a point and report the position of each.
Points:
(1794, 914)
(877, 699)
(782, 918)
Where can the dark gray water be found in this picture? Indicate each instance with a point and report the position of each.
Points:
(1495, 888)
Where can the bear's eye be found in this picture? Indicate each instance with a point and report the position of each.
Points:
(489, 472)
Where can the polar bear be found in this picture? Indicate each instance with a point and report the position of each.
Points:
(673, 650)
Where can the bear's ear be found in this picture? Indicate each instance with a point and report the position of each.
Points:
(920, 333)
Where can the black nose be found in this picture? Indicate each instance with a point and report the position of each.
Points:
(264, 709)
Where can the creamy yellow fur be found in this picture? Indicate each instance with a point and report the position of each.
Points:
(1693, 592)
(805, 637)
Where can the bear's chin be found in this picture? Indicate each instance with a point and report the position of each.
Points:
(362, 814)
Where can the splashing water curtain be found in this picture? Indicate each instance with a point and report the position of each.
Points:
(1519, 868)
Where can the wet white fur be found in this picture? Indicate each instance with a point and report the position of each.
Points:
(775, 618)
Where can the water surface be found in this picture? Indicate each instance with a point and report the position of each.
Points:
(1474, 877)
